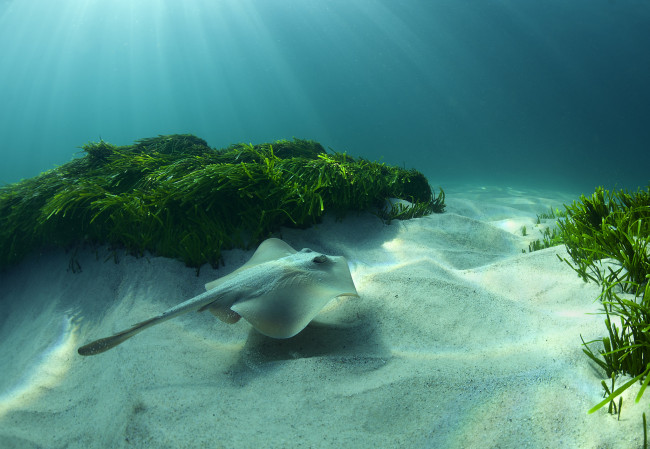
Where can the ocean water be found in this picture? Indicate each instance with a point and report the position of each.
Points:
(508, 92)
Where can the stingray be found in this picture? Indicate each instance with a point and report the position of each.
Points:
(278, 291)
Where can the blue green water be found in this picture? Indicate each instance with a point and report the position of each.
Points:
(531, 92)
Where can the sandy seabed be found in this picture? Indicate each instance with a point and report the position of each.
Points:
(458, 340)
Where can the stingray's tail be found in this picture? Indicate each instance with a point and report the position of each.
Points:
(104, 344)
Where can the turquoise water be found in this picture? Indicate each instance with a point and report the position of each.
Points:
(513, 91)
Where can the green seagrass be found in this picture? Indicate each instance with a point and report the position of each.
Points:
(175, 196)
(607, 237)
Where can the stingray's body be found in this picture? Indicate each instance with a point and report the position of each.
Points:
(278, 291)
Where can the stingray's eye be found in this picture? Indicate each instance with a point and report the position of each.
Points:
(320, 259)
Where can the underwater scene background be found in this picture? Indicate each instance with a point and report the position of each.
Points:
(478, 327)
(551, 93)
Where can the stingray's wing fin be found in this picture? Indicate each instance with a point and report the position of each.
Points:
(269, 250)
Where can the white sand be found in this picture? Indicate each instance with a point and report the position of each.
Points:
(457, 341)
